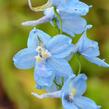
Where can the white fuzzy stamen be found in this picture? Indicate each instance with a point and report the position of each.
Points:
(43, 54)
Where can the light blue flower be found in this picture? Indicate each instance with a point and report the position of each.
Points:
(70, 12)
(47, 55)
(71, 6)
(72, 94)
(90, 50)
(71, 23)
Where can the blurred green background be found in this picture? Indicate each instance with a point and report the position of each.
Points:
(16, 85)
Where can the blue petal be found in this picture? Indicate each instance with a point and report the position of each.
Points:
(90, 50)
(72, 23)
(97, 61)
(25, 59)
(44, 37)
(87, 47)
(61, 66)
(44, 75)
(65, 53)
(68, 105)
(33, 38)
(53, 88)
(85, 103)
(60, 46)
(49, 12)
(78, 83)
(68, 58)
(72, 6)
(65, 91)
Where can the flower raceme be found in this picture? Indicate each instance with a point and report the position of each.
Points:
(47, 55)
(50, 55)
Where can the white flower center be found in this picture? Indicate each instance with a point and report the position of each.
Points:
(43, 54)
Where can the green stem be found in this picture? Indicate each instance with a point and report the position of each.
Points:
(55, 24)
(79, 64)
(59, 18)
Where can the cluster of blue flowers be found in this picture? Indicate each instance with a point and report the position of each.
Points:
(50, 55)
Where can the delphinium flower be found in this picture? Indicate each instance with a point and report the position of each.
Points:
(67, 15)
(72, 94)
(89, 49)
(47, 55)
(50, 55)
